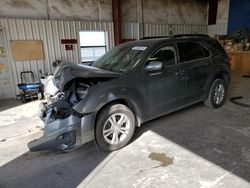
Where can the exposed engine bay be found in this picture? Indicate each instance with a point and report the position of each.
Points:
(63, 101)
(68, 86)
(67, 125)
(73, 92)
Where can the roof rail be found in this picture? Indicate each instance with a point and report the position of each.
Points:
(154, 37)
(190, 35)
(176, 36)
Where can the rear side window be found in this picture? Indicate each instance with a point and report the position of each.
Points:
(191, 51)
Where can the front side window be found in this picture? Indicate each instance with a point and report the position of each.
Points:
(120, 59)
(167, 55)
(191, 51)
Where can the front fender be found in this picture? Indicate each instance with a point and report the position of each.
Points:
(99, 97)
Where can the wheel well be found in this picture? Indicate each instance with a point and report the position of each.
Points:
(119, 101)
(224, 76)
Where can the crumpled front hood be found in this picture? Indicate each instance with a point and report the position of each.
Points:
(69, 71)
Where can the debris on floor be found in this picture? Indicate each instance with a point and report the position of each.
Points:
(3, 140)
(162, 158)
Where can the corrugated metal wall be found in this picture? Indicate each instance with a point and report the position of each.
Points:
(217, 29)
(131, 30)
(50, 32)
(189, 29)
(156, 30)
(173, 29)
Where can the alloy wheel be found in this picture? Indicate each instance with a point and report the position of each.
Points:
(116, 128)
(219, 94)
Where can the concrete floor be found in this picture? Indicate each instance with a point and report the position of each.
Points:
(194, 147)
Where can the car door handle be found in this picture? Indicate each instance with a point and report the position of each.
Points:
(179, 72)
(156, 73)
(207, 63)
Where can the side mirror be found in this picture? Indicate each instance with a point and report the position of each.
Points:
(154, 66)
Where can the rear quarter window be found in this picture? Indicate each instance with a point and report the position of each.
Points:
(215, 47)
(190, 51)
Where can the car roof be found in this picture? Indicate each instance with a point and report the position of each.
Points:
(147, 41)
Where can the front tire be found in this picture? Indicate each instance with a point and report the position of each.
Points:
(115, 127)
(217, 94)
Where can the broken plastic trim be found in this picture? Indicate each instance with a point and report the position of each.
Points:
(48, 110)
(56, 143)
(66, 105)
(67, 140)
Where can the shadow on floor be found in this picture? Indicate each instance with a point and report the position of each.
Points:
(220, 136)
(6, 104)
(214, 135)
(48, 169)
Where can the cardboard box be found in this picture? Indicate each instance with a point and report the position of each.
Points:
(240, 62)
(228, 48)
(238, 47)
(222, 42)
(229, 42)
(220, 37)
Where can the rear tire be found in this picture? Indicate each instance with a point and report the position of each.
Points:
(115, 127)
(217, 94)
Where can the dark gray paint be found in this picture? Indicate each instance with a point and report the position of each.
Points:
(148, 94)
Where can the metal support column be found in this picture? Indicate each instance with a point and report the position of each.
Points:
(117, 21)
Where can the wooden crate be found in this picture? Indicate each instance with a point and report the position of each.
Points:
(240, 62)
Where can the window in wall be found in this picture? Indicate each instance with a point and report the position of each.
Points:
(93, 45)
(191, 51)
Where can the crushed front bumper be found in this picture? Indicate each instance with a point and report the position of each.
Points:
(64, 134)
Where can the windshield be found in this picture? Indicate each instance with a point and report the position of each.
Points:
(120, 59)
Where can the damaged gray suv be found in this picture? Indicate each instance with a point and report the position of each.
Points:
(131, 84)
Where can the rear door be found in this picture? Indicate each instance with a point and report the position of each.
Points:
(196, 61)
(165, 89)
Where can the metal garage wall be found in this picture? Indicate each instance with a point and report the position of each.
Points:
(217, 29)
(189, 29)
(132, 30)
(156, 30)
(50, 32)
(173, 29)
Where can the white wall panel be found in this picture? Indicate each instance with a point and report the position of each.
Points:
(50, 32)
(218, 29)
(168, 29)
(189, 29)
(156, 30)
(132, 30)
